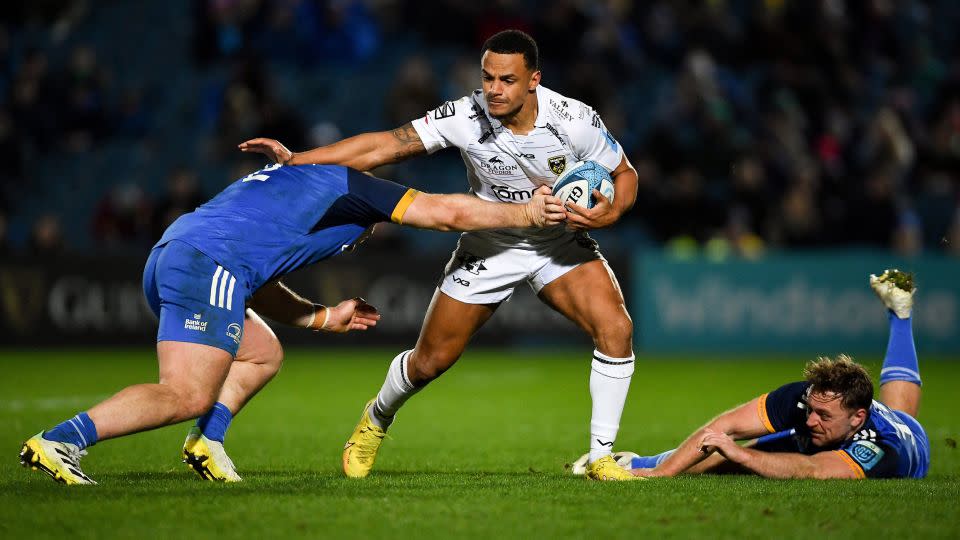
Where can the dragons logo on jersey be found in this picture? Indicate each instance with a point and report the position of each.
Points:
(557, 164)
(444, 111)
(496, 166)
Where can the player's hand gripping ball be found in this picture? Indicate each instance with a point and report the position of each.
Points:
(578, 181)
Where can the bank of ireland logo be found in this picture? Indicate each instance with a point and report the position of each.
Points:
(235, 332)
(557, 164)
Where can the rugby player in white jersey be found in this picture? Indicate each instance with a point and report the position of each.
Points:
(514, 136)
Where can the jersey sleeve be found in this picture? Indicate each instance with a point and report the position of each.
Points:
(371, 200)
(592, 141)
(870, 459)
(447, 125)
(784, 407)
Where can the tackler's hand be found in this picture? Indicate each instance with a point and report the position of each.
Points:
(545, 210)
(271, 148)
(353, 314)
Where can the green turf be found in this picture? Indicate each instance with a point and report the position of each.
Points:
(480, 453)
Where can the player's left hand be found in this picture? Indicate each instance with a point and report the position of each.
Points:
(353, 314)
(603, 214)
(716, 441)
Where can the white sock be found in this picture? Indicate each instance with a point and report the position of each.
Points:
(609, 383)
(396, 390)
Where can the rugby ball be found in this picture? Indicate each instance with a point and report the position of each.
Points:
(578, 181)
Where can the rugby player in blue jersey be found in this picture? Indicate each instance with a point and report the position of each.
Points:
(217, 269)
(827, 426)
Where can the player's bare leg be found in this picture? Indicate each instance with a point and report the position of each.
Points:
(448, 326)
(600, 311)
(191, 375)
(258, 360)
(900, 374)
(190, 379)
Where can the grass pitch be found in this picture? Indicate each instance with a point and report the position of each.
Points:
(480, 453)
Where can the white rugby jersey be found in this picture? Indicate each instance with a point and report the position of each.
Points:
(504, 167)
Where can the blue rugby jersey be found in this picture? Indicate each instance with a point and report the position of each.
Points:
(890, 444)
(281, 218)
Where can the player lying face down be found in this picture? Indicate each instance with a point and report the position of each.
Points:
(215, 268)
(826, 426)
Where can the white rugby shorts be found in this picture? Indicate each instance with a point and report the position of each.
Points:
(483, 270)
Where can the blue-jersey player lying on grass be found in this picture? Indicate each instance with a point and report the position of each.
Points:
(827, 426)
(217, 267)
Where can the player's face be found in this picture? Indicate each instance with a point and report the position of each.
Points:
(828, 421)
(507, 83)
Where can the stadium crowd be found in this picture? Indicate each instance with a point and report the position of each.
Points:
(753, 124)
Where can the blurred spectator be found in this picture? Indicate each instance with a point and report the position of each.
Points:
(122, 218)
(183, 195)
(415, 91)
(84, 110)
(5, 249)
(46, 237)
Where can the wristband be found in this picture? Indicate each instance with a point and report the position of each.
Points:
(313, 317)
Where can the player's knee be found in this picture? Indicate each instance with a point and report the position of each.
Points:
(615, 336)
(194, 403)
(273, 358)
(424, 367)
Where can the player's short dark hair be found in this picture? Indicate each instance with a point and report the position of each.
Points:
(843, 377)
(514, 42)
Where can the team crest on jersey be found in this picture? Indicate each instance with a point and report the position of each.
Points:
(557, 164)
(444, 111)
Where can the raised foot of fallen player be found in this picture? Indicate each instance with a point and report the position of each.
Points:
(607, 469)
(208, 459)
(360, 451)
(59, 460)
(895, 289)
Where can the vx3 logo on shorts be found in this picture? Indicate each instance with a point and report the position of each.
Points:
(463, 282)
(471, 263)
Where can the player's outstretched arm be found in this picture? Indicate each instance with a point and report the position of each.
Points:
(743, 422)
(460, 212)
(821, 466)
(362, 152)
(276, 301)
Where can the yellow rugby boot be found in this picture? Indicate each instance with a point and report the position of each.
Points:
(360, 451)
(208, 458)
(895, 289)
(59, 460)
(607, 469)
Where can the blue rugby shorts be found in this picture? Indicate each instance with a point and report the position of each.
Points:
(196, 299)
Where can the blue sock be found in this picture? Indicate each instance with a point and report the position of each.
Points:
(78, 430)
(649, 462)
(214, 424)
(900, 364)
